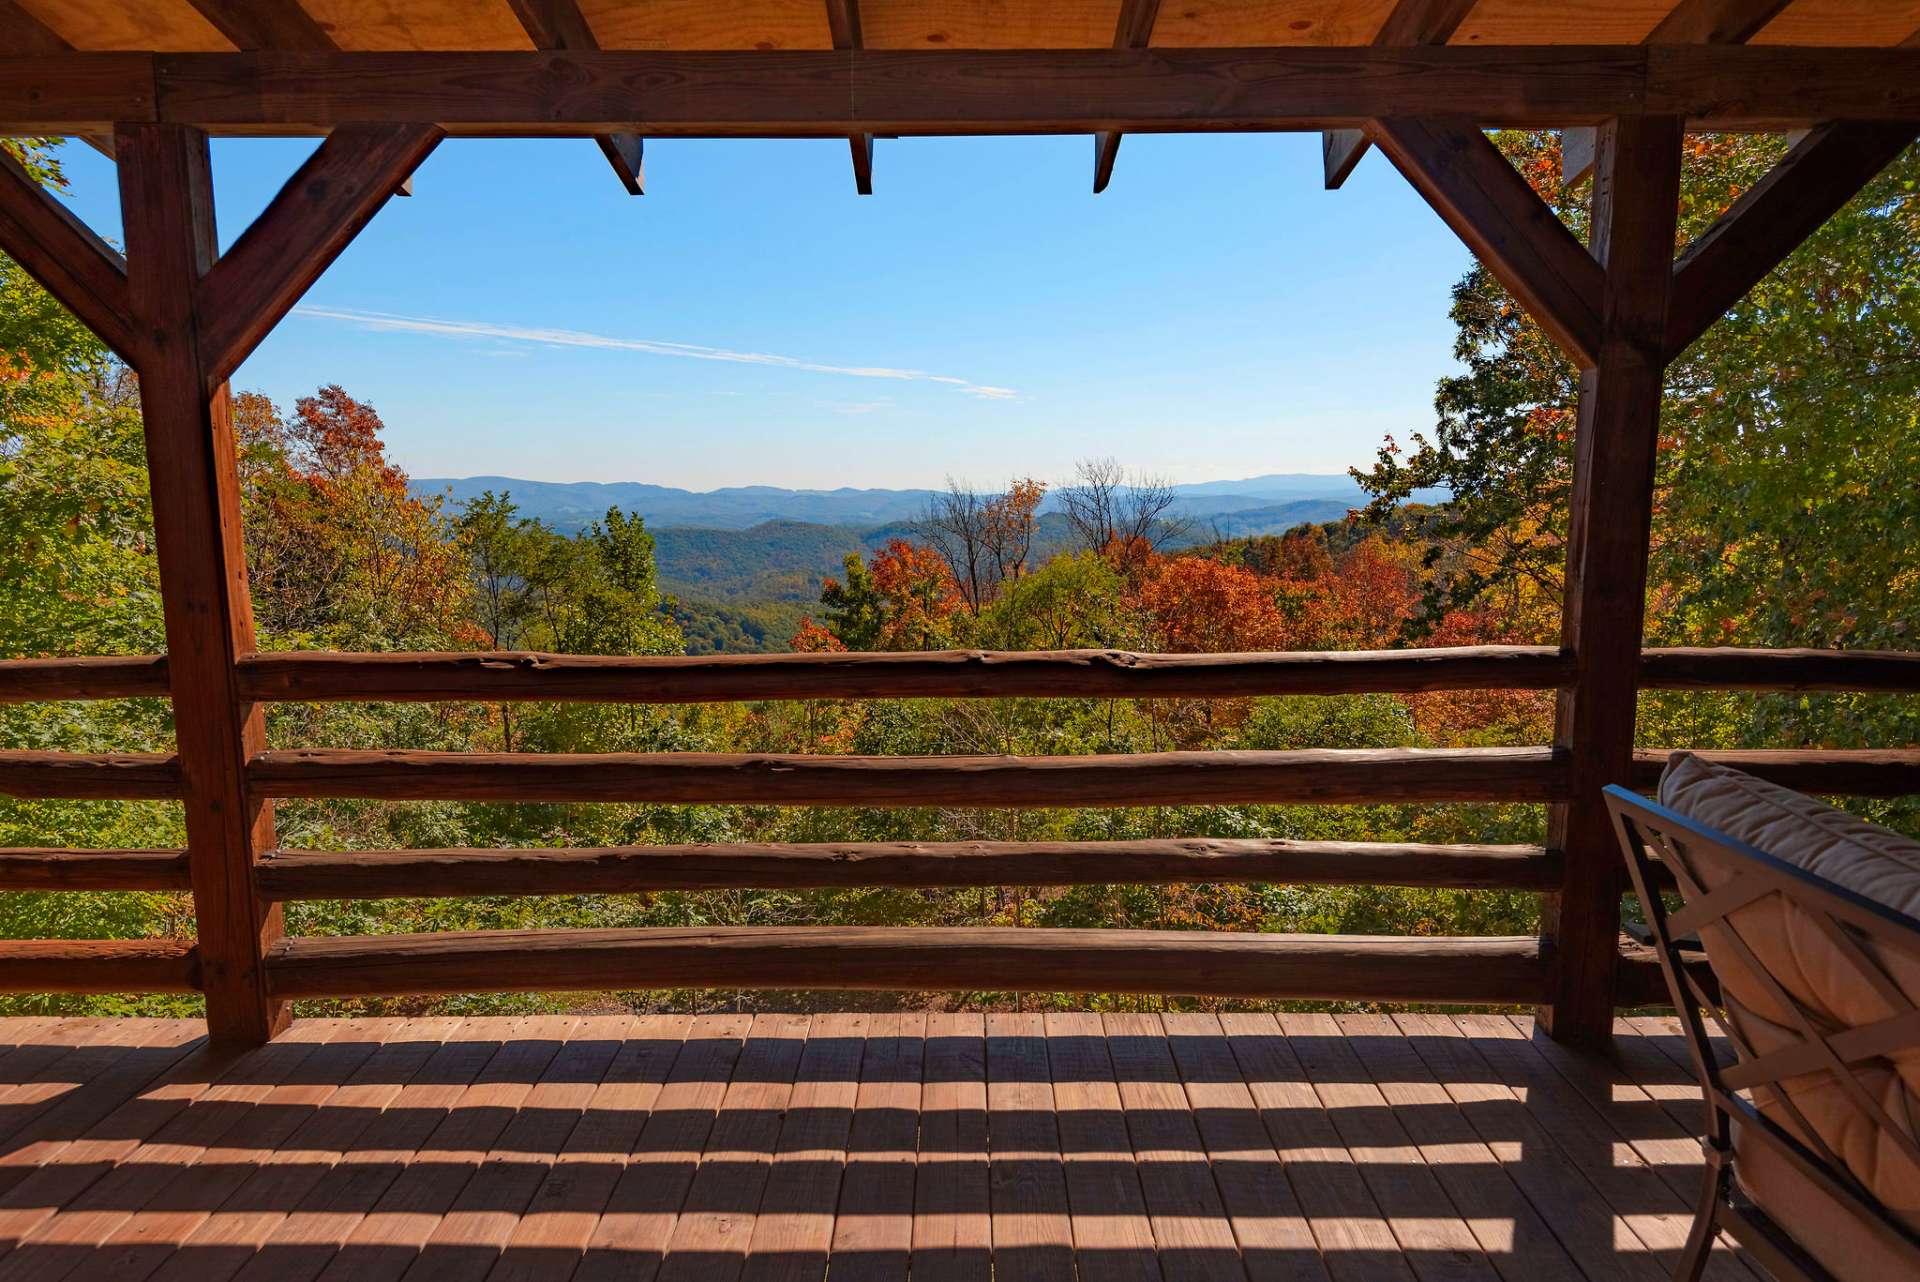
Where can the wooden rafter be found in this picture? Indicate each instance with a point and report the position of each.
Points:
(831, 93)
(1516, 234)
(76, 266)
(843, 22)
(1133, 30)
(1705, 22)
(266, 24)
(559, 24)
(1715, 22)
(1412, 22)
(313, 219)
(1810, 184)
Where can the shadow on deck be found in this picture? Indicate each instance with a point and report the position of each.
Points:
(542, 1149)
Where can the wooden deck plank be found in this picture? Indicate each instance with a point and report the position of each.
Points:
(952, 1208)
(1353, 1236)
(1112, 1238)
(710, 1238)
(149, 1238)
(71, 1169)
(476, 1228)
(1032, 1228)
(639, 1215)
(1183, 1203)
(111, 1224)
(793, 1232)
(1598, 1140)
(68, 1092)
(895, 1147)
(1566, 1198)
(244, 1223)
(551, 1237)
(320, 1223)
(1437, 1242)
(873, 1231)
(1276, 1241)
(388, 1238)
(1517, 1241)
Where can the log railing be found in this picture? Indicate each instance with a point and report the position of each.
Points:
(1462, 970)
(511, 676)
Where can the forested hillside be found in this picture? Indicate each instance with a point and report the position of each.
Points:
(1787, 515)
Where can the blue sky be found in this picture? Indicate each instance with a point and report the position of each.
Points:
(1214, 314)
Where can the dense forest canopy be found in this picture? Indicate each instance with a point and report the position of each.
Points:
(1786, 515)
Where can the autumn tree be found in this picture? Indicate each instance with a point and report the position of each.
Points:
(1108, 509)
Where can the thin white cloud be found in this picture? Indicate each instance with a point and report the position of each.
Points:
(390, 322)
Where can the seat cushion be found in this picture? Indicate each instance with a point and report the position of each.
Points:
(1799, 953)
(1831, 1230)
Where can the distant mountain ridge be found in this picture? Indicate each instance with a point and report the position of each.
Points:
(571, 505)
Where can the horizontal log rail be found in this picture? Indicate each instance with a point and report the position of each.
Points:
(124, 776)
(954, 674)
(916, 958)
(1846, 772)
(514, 676)
(42, 868)
(392, 874)
(1130, 779)
(1748, 668)
(45, 680)
(98, 966)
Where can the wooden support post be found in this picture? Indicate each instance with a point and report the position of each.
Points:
(1635, 207)
(167, 202)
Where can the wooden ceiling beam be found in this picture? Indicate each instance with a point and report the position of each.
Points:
(1694, 22)
(23, 33)
(1133, 30)
(843, 22)
(827, 93)
(1715, 22)
(1486, 202)
(1412, 22)
(559, 25)
(1819, 175)
(267, 24)
(297, 237)
(85, 274)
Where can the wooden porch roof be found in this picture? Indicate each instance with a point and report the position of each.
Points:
(221, 26)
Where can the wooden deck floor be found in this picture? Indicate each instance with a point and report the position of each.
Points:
(850, 1146)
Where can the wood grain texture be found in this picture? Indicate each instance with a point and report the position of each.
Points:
(1483, 198)
(559, 24)
(1816, 178)
(166, 195)
(39, 680)
(45, 868)
(327, 203)
(86, 275)
(1330, 967)
(98, 966)
(834, 93)
(954, 674)
(1129, 779)
(373, 874)
(130, 776)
